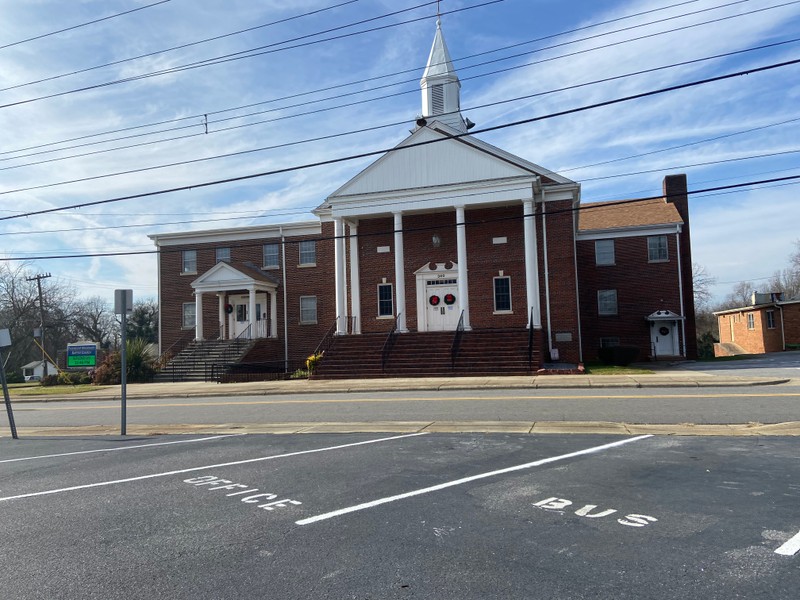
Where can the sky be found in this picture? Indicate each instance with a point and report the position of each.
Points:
(154, 95)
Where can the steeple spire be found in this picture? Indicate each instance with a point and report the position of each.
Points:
(441, 89)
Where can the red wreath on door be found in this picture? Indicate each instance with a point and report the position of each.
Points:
(434, 300)
(449, 299)
(229, 308)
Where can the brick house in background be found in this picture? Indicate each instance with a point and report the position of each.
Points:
(445, 233)
(770, 324)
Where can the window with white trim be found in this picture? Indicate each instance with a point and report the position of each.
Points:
(502, 294)
(385, 303)
(770, 319)
(308, 252)
(308, 310)
(188, 320)
(223, 255)
(604, 252)
(272, 257)
(607, 302)
(751, 321)
(189, 262)
(657, 248)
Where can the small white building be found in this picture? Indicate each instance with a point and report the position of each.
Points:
(34, 371)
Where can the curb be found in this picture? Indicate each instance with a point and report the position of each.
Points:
(791, 428)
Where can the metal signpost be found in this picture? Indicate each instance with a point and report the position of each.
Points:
(123, 304)
(5, 341)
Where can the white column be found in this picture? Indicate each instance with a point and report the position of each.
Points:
(221, 314)
(198, 316)
(531, 265)
(251, 313)
(399, 273)
(341, 285)
(463, 283)
(355, 279)
(273, 315)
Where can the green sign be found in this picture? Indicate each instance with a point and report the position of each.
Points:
(81, 355)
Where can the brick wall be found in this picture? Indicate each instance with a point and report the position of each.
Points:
(761, 338)
(642, 288)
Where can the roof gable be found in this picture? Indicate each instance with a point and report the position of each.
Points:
(225, 277)
(427, 158)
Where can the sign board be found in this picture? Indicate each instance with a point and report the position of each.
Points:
(123, 302)
(5, 338)
(81, 355)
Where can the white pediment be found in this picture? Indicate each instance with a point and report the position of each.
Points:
(664, 315)
(428, 159)
(225, 277)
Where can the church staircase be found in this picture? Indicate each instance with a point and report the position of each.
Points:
(429, 354)
(203, 360)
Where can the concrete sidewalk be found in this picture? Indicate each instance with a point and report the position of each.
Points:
(687, 379)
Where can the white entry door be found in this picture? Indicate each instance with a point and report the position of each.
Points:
(664, 338)
(443, 310)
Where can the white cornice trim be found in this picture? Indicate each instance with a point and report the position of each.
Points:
(211, 236)
(623, 232)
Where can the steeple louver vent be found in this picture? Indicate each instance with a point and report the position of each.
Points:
(437, 99)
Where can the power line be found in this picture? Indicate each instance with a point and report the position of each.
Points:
(346, 133)
(44, 35)
(659, 198)
(408, 146)
(204, 116)
(243, 55)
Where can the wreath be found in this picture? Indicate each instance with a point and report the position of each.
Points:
(229, 308)
(449, 299)
(664, 331)
(434, 300)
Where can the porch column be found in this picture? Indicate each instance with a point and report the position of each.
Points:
(251, 311)
(399, 273)
(198, 316)
(531, 265)
(463, 284)
(273, 314)
(341, 291)
(221, 314)
(355, 279)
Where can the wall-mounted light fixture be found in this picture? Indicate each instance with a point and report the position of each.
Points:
(437, 241)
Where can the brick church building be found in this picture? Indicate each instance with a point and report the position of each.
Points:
(445, 255)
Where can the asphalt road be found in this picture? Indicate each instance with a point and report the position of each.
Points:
(425, 516)
(762, 404)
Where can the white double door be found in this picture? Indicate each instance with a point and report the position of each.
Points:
(442, 307)
(240, 319)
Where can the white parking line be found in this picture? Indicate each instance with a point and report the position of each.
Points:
(205, 439)
(205, 467)
(441, 486)
(791, 547)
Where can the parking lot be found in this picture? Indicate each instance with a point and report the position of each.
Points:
(400, 516)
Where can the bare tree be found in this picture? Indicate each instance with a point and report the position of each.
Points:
(702, 282)
(19, 312)
(93, 321)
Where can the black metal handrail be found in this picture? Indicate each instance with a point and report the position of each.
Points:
(387, 345)
(530, 342)
(327, 340)
(457, 341)
(183, 340)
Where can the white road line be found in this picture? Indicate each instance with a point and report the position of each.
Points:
(205, 439)
(791, 547)
(441, 486)
(206, 467)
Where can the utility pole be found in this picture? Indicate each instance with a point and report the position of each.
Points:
(38, 279)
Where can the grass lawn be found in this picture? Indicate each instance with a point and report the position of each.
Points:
(34, 389)
(603, 369)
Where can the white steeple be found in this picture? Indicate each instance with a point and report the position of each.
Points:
(441, 89)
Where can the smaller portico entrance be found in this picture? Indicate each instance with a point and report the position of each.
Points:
(247, 302)
(664, 336)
